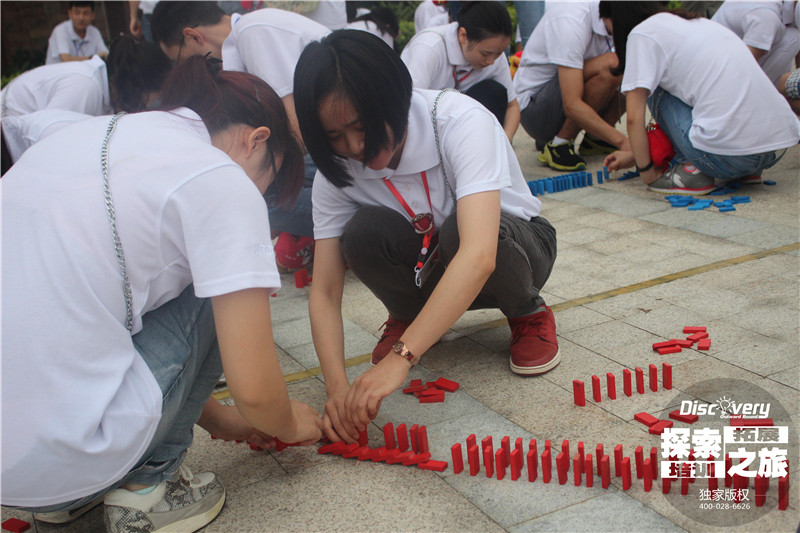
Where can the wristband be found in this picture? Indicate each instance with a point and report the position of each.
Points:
(644, 168)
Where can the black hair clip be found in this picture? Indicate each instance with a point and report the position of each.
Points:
(213, 60)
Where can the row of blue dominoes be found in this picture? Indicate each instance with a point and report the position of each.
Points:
(697, 204)
(565, 182)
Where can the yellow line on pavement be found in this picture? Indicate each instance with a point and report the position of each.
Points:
(353, 361)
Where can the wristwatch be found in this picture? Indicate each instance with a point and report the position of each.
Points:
(400, 349)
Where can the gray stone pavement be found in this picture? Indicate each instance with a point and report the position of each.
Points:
(631, 271)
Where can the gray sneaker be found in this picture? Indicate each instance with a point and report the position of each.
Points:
(683, 179)
(186, 503)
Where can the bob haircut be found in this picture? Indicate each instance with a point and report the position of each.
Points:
(229, 98)
(170, 18)
(135, 69)
(484, 20)
(358, 66)
(627, 15)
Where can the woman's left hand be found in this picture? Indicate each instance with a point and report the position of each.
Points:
(619, 160)
(224, 422)
(370, 388)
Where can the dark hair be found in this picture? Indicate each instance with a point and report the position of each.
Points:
(90, 5)
(358, 66)
(135, 68)
(484, 20)
(227, 98)
(384, 18)
(170, 18)
(627, 15)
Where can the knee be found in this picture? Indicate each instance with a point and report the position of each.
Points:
(365, 230)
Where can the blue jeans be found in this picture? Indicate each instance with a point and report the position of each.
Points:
(179, 344)
(675, 118)
(529, 13)
(297, 219)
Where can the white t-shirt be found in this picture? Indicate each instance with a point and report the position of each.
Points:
(568, 34)
(267, 43)
(64, 40)
(427, 15)
(758, 24)
(477, 156)
(370, 27)
(730, 95)
(23, 131)
(79, 404)
(80, 86)
(435, 61)
(330, 13)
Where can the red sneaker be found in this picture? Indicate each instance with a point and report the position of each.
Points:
(534, 346)
(751, 180)
(391, 334)
(294, 253)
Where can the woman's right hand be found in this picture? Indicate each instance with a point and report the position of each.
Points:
(308, 424)
(336, 424)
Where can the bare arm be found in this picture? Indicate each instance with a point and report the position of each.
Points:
(67, 57)
(636, 102)
(511, 123)
(135, 24)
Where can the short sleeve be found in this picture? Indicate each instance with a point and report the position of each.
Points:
(761, 27)
(332, 209)
(645, 64)
(60, 43)
(271, 54)
(567, 42)
(425, 57)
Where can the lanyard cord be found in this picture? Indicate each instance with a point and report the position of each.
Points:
(426, 240)
(456, 80)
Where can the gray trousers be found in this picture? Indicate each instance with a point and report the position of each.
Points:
(381, 248)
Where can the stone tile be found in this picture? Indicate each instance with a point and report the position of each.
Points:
(769, 237)
(356, 342)
(582, 235)
(761, 355)
(292, 333)
(614, 507)
(626, 305)
(779, 323)
(578, 318)
(789, 377)
(680, 218)
(285, 308)
(618, 203)
(724, 226)
(288, 364)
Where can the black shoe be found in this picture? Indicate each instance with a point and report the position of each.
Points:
(562, 157)
(594, 146)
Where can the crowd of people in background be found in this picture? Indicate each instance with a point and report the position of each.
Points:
(154, 191)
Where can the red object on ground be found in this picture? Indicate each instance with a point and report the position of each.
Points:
(474, 459)
(626, 473)
(666, 375)
(436, 466)
(505, 445)
(645, 418)
(648, 475)
(432, 398)
(583, 455)
(704, 344)
(562, 466)
(488, 460)
(547, 465)
(578, 392)
(669, 349)
(611, 385)
(659, 427)
(280, 445)
(415, 388)
(639, 380)
(598, 452)
(783, 492)
(638, 454)
(472, 440)
(618, 460)
(422, 439)
(665, 485)
(446, 384)
(402, 438)
(653, 372)
(664, 344)
(588, 463)
(697, 336)
(363, 438)
(626, 382)
(532, 465)
(301, 278)
(500, 463)
(388, 436)
(689, 419)
(605, 471)
(596, 394)
(694, 329)
(414, 440)
(458, 458)
(15, 525)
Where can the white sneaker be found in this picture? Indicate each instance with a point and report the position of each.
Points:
(683, 179)
(184, 504)
(62, 517)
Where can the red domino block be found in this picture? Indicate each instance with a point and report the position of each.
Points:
(505, 445)
(472, 441)
(704, 344)
(683, 343)
(388, 436)
(402, 438)
(605, 471)
(750, 422)
(422, 440)
(583, 455)
(578, 392)
(653, 372)
(414, 441)
(659, 427)
(500, 463)
(516, 464)
(379, 454)
(611, 385)
(446, 384)
(518, 445)
(589, 463)
(576, 469)
(416, 388)
(15, 525)
(639, 455)
(618, 460)
(654, 462)
(669, 349)
(355, 453)
(547, 465)
(363, 438)
(639, 380)
(664, 344)
(301, 278)
(596, 394)
(388, 455)
(279, 445)
(488, 460)
(689, 419)
(761, 490)
(598, 452)
(474, 460)
(565, 448)
(648, 475)
(626, 382)
(665, 485)
(626, 473)
(645, 418)
(399, 458)
(700, 335)
(547, 444)
(342, 449)
(486, 441)
(436, 466)
(415, 382)
(562, 466)
(432, 398)
(417, 459)
(532, 460)
(694, 329)
(458, 458)
(783, 492)
(533, 446)
(666, 375)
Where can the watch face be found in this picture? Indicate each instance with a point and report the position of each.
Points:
(399, 347)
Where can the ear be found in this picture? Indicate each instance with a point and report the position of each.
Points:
(194, 35)
(256, 137)
(462, 36)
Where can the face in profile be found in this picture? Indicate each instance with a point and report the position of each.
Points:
(483, 53)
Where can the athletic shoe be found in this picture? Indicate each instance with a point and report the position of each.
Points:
(594, 146)
(62, 517)
(186, 503)
(293, 252)
(562, 157)
(683, 179)
(391, 334)
(750, 180)
(534, 346)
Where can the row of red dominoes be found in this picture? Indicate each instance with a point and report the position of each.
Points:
(394, 450)
(579, 390)
(698, 334)
(301, 278)
(432, 391)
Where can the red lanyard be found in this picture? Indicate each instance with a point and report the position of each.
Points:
(459, 80)
(422, 222)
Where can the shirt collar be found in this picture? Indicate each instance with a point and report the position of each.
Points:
(454, 54)
(598, 26)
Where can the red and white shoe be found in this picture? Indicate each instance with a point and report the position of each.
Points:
(294, 253)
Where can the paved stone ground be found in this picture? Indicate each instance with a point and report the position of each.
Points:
(733, 277)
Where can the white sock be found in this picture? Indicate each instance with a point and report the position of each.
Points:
(558, 140)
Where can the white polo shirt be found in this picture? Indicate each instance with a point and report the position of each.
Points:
(370, 27)
(267, 43)
(435, 61)
(330, 13)
(427, 15)
(735, 108)
(758, 24)
(79, 404)
(64, 40)
(568, 34)
(80, 86)
(477, 156)
(23, 131)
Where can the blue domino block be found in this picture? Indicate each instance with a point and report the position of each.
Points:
(726, 209)
(599, 177)
(680, 204)
(628, 175)
(532, 187)
(769, 182)
(697, 207)
(549, 185)
(540, 187)
(706, 203)
(726, 203)
(605, 173)
(589, 179)
(740, 199)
